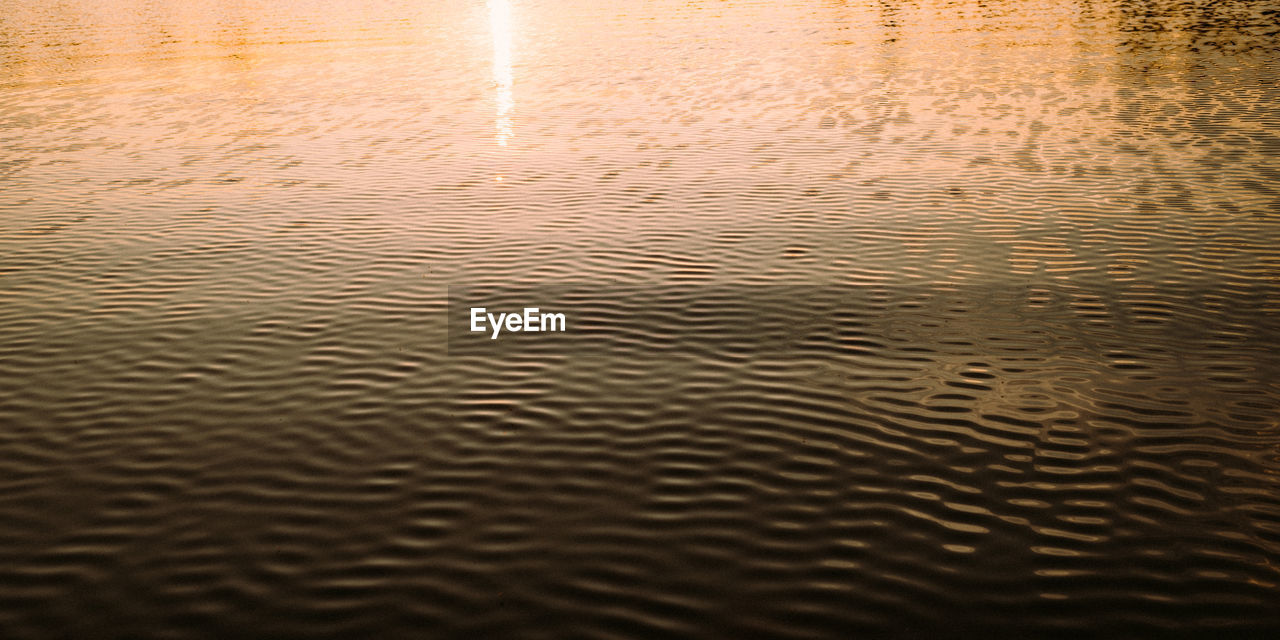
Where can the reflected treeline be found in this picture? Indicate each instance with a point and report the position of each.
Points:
(94, 30)
(1229, 26)
(1226, 26)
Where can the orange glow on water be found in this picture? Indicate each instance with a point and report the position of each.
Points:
(500, 25)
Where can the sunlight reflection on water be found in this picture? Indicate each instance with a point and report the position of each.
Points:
(1036, 387)
(500, 23)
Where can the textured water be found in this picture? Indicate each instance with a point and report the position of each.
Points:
(1013, 265)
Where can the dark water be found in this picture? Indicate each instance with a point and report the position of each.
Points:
(1013, 267)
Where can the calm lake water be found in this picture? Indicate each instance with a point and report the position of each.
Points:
(1017, 263)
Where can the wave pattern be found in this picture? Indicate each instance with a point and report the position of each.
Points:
(227, 407)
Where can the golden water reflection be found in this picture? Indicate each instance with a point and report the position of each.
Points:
(500, 25)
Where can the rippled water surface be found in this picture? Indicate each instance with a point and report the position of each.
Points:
(1016, 263)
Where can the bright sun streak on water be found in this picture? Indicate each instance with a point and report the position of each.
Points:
(500, 23)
